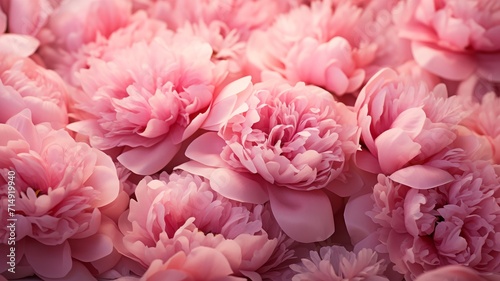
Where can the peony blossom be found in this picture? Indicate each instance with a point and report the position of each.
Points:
(184, 215)
(147, 99)
(69, 62)
(335, 263)
(25, 84)
(286, 146)
(453, 39)
(60, 186)
(240, 15)
(74, 24)
(405, 126)
(318, 45)
(453, 223)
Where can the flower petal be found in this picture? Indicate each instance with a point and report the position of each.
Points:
(206, 149)
(91, 248)
(236, 186)
(395, 148)
(305, 216)
(52, 261)
(421, 176)
(149, 160)
(449, 65)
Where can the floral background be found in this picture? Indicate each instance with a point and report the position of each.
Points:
(250, 140)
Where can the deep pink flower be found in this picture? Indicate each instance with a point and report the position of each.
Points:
(404, 125)
(181, 213)
(454, 223)
(453, 38)
(60, 186)
(148, 98)
(25, 84)
(286, 145)
(335, 263)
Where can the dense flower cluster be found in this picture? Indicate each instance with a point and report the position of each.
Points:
(276, 140)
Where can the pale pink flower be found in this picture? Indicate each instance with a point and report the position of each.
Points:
(319, 45)
(404, 125)
(453, 38)
(453, 223)
(455, 273)
(287, 145)
(75, 23)
(335, 263)
(241, 15)
(25, 84)
(60, 186)
(69, 62)
(149, 98)
(180, 213)
(475, 87)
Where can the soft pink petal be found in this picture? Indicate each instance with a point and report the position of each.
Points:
(149, 160)
(358, 223)
(367, 162)
(411, 121)
(447, 64)
(421, 176)
(237, 186)
(206, 149)
(91, 248)
(50, 261)
(18, 45)
(196, 168)
(228, 102)
(395, 149)
(305, 216)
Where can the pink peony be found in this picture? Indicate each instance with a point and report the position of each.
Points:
(318, 45)
(68, 62)
(179, 213)
(241, 15)
(60, 186)
(453, 38)
(75, 23)
(405, 126)
(335, 263)
(453, 223)
(149, 98)
(25, 84)
(287, 145)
